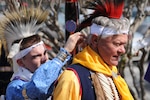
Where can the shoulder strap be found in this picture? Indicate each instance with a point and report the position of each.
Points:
(84, 77)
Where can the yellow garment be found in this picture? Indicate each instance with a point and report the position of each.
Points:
(68, 87)
(92, 60)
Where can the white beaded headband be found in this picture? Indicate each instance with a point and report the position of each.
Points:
(24, 52)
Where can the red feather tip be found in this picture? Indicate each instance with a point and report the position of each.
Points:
(110, 8)
(71, 1)
(106, 8)
(48, 47)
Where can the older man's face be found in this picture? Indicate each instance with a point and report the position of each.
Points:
(111, 48)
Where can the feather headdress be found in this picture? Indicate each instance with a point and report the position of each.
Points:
(19, 24)
(107, 8)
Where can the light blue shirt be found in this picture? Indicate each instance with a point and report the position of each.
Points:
(42, 82)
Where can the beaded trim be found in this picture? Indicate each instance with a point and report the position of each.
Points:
(24, 94)
(62, 54)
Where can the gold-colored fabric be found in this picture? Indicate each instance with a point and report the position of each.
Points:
(93, 61)
(68, 87)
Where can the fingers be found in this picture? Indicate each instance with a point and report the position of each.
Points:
(79, 36)
(73, 40)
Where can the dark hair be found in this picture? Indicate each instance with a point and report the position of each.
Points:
(29, 41)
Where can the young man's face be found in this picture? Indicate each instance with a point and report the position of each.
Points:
(37, 56)
(111, 48)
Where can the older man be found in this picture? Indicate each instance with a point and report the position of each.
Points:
(93, 74)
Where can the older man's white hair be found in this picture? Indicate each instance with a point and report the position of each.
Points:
(105, 27)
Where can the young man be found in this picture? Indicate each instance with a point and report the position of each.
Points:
(93, 74)
(36, 74)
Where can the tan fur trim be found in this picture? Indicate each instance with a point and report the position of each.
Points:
(98, 89)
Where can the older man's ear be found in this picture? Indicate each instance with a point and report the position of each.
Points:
(94, 41)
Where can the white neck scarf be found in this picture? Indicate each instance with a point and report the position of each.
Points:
(22, 74)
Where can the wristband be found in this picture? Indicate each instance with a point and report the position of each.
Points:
(62, 54)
